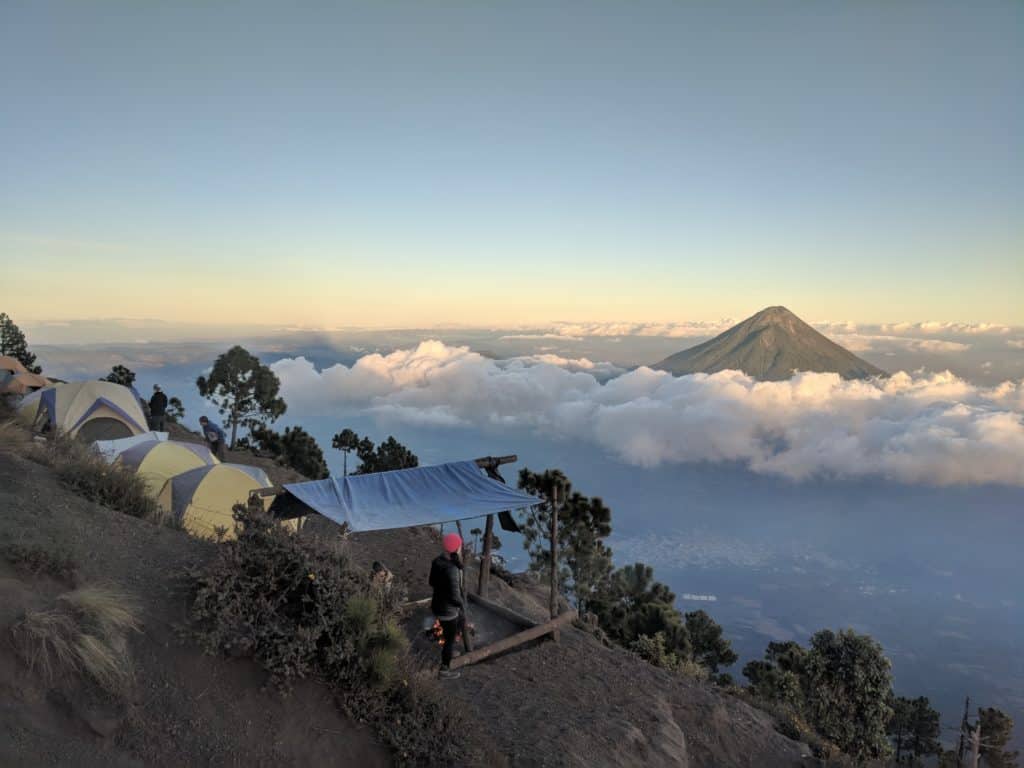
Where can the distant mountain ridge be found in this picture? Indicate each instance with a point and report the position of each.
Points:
(770, 346)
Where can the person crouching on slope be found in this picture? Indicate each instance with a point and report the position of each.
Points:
(214, 436)
(446, 604)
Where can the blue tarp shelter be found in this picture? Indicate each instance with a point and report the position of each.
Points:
(409, 497)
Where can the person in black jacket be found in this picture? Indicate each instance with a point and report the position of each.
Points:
(157, 409)
(446, 603)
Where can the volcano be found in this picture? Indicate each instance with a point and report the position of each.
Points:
(771, 346)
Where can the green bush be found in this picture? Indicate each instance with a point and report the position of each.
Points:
(294, 604)
(296, 608)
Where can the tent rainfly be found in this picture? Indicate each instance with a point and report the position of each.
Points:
(157, 461)
(111, 449)
(21, 383)
(201, 499)
(11, 365)
(92, 410)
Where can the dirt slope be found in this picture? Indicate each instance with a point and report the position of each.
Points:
(579, 703)
(574, 703)
(186, 708)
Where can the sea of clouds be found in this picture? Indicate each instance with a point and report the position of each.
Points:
(926, 428)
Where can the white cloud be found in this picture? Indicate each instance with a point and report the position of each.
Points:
(859, 342)
(938, 328)
(1015, 343)
(579, 331)
(935, 429)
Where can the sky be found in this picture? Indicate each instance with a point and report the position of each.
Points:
(411, 164)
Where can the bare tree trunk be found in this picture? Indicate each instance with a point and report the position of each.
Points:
(234, 425)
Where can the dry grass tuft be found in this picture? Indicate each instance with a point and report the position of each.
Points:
(84, 633)
(14, 438)
(85, 472)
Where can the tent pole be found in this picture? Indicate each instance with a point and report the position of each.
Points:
(485, 558)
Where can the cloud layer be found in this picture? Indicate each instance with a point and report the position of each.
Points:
(935, 429)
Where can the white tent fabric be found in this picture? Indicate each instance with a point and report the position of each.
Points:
(111, 449)
(410, 497)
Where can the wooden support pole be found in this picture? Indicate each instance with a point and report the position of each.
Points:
(553, 600)
(517, 639)
(485, 557)
(467, 641)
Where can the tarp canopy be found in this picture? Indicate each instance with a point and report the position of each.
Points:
(111, 449)
(410, 497)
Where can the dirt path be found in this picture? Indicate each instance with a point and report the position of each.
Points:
(186, 708)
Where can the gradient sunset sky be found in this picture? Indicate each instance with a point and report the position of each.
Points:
(494, 163)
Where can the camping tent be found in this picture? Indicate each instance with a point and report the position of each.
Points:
(111, 449)
(92, 410)
(157, 461)
(201, 499)
(11, 365)
(21, 383)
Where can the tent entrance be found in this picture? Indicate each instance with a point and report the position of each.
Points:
(104, 428)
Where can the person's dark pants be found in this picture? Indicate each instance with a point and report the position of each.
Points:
(158, 422)
(448, 627)
(217, 449)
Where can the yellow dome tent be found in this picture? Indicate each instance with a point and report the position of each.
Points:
(157, 461)
(91, 410)
(201, 499)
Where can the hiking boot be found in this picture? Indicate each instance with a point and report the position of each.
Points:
(448, 674)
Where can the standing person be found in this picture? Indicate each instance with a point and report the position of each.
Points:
(158, 410)
(214, 436)
(446, 604)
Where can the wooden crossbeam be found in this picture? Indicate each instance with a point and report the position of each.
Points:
(520, 638)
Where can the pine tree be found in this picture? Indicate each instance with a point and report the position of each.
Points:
(996, 731)
(848, 689)
(243, 389)
(122, 375)
(583, 524)
(388, 456)
(914, 728)
(13, 344)
(710, 649)
(175, 410)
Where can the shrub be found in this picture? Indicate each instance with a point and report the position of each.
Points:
(14, 438)
(294, 605)
(85, 472)
(296, 608)
(56, 562)
(85, 633)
